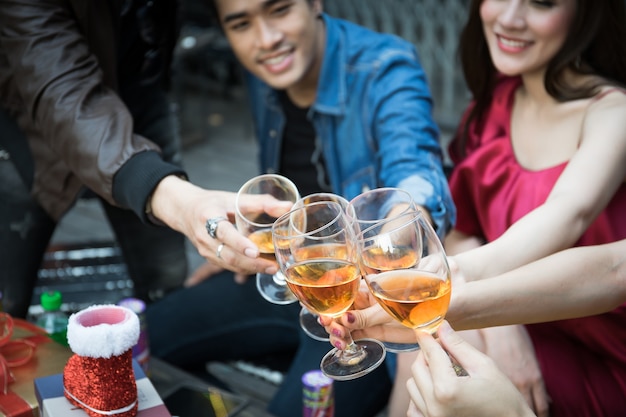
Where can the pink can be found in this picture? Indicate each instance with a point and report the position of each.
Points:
(317, 395)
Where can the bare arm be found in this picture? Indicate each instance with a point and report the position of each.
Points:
(457, 242)
(577, 282)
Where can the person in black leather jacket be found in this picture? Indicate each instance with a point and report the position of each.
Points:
(83, 106)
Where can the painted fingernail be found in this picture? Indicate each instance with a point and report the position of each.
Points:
(336, 332)
(350, 317)
(337, 344)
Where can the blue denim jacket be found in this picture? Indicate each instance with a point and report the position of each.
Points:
(372, 116)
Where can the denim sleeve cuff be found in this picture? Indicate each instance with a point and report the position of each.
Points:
(443, 218)
(138, 177)
(434, 197)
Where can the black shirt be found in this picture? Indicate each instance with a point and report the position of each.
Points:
(301, 157)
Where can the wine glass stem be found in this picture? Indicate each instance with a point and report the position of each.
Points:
(352, 354)
(279, 278)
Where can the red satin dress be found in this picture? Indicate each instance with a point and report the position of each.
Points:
(583, 361)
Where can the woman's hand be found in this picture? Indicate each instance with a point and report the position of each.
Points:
(437, 391)
(512, 350)
(367, 320)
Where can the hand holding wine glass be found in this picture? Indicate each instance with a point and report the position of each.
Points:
(406, 269)
(314, 245)
(308, 320)
(380, 205)
(258, 228)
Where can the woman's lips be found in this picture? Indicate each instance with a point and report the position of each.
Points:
(512, 45)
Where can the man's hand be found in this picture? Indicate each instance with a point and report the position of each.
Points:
(186, 208)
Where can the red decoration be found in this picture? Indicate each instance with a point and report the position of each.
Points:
(101, 386)
(15, 353)
(99, 377)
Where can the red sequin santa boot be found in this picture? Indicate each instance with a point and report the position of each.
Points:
(99, 377)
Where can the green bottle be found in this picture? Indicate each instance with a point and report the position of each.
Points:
(53, 320)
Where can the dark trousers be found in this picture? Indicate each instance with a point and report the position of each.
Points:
(155, 256)
(219, 320)
(361, 397)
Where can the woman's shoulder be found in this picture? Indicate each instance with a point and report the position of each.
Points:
(610, 96)
(606, 115)
(610, 100)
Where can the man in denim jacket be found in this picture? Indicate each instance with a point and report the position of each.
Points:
(371, 115)
(336, 108)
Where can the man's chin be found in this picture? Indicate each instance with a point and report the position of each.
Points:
(279, 84)
(279, 81)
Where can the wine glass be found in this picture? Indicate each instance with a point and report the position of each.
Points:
(314, 246)
(370, 208)
(405, 267)
(308, 320)
(258, 228)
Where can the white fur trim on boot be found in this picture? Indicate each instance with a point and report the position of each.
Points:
(103, 331)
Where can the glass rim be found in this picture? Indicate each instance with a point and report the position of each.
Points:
(411, 215)
(255, 179)
(290, 213)
(378, 190)
(335, 198)
(351, 210)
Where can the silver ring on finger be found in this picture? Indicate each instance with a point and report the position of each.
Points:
(218, 252)
(211, 225)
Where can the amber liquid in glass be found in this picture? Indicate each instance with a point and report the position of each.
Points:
(416, 299)
(263, 240)
(325, 286)
(325, 250)
(377, 259)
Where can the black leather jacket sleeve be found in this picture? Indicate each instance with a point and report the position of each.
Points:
(57, 77)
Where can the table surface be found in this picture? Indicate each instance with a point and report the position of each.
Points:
(167, 378)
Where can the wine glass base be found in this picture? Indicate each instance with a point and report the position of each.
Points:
(334, 366)
(401, 347)
(272, 291)
(310, 325)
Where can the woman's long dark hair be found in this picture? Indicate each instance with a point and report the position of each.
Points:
(596, 44)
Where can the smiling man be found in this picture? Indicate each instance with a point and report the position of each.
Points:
(285, 53)
(336, 108)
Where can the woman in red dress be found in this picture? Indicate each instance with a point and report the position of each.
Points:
(540, 166)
